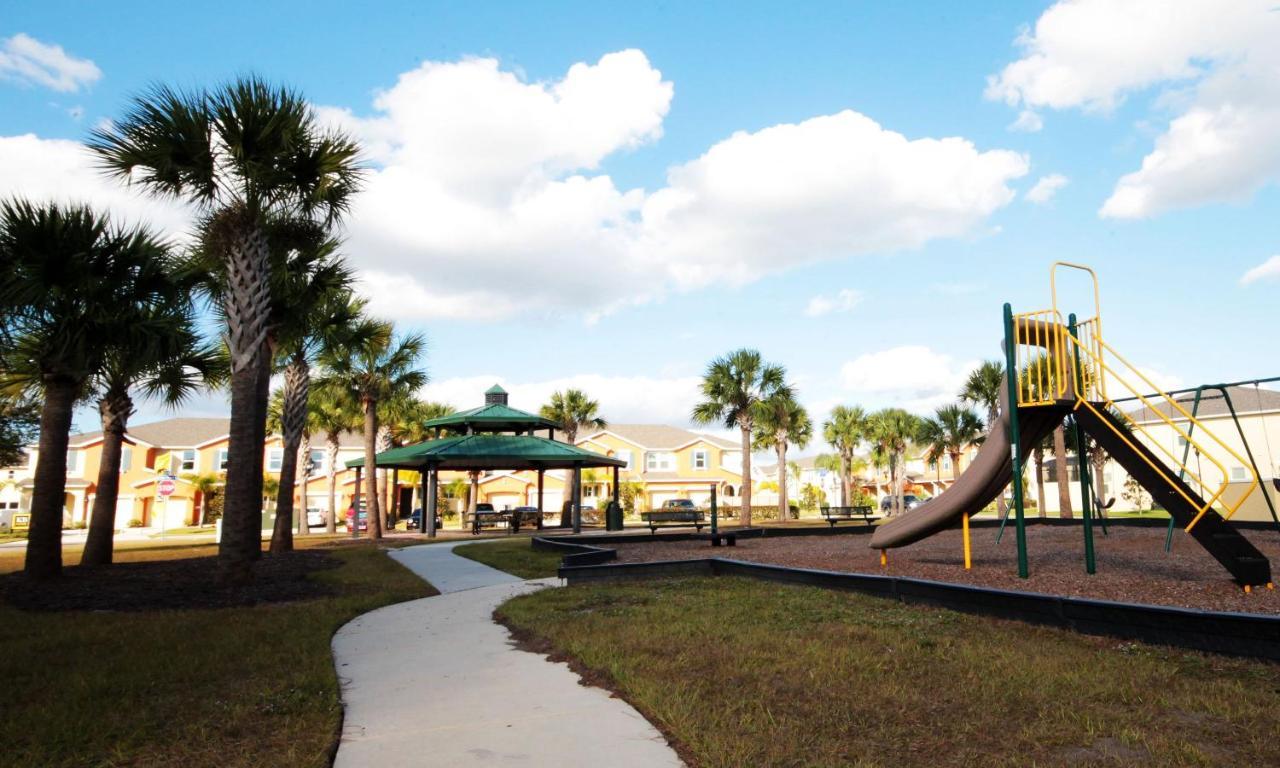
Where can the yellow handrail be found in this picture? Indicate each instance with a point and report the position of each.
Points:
(1203, 450)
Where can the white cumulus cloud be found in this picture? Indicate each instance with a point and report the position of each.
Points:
(1046, 188)
(623, 399)
(25, 59)
(842, 301)
(1267, 270)
(63, 171)
(914, 377)
(1217, 65)
(1027, 122)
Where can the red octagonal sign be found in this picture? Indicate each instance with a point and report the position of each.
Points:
(166, 486)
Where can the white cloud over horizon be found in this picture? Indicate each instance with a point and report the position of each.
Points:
(1267, 270)
(26, 60)
(1045, 188)
(1215, 66)
(913, 377)
(842, 301)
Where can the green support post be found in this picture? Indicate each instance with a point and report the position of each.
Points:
(1015, 435)
(1082, 465)
(714, 526)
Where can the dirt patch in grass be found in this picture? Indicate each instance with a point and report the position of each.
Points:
(170, 585)
(1132, 564)
(739, 672)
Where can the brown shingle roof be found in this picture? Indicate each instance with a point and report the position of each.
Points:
(1247, 400)
(186, 432)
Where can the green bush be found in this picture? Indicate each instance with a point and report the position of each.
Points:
(135, 523)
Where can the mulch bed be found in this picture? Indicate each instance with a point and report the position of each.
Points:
(169, 585)
(1132, 565)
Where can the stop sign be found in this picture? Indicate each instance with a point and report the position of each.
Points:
(166, 486)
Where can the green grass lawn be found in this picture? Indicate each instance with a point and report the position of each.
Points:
(515, 556)
(740, 672)
(226, 687)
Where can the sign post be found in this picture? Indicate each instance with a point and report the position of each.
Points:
(165, 487)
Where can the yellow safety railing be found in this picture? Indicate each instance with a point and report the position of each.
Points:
(1046, 355)
(1040, 356)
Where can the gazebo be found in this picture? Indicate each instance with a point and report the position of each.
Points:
(493, 436)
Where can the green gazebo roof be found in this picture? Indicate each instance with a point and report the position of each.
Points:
(490, 451)
(493, 417)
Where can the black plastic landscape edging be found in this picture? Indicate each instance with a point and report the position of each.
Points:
(1235, 634)
(574, 553)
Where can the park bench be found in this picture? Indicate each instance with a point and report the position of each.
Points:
(482, 520)
(834, 515)
(674, 518)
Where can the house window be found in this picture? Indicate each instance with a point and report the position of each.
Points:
(946, 465)
(1182, 442)
(625, 456)
(222, 460)
(316, 462)
(655, 461)
(589, 491)
(1239, 474)
(187, 460)
(728, 491)
(700, 460)
(73, 462)
(126, 458)
(275, 458)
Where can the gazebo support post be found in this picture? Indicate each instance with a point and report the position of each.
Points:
(429, 508)
(355, 508)
(617, 498)
(541, 473)
(577, 498)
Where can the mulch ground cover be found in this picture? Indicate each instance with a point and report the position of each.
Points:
(169, 585)
(1132, 565)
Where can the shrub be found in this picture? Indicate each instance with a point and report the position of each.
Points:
(79, 525)
(135, 523)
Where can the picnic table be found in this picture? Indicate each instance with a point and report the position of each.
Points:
(834, 515)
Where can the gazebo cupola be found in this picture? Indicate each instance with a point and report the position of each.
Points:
(494, 416)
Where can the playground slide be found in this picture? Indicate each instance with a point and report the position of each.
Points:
(979, 485)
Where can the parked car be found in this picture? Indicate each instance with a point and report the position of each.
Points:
(363, 521)
(529, 516)
(315, 517)
(678, 505)
(909, 501)
(414, 519)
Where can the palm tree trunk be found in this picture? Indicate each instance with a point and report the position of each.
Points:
(1060, 473)
(784, 510)
(293, 419)
(248, 310)
(370, 474)
(846, 478)
(115, 409)
(473, 496)
(331, 524)
(566, 501)
(304, 459)
(955, 465)
(44, 539)
(744, 491)
(1038, 455)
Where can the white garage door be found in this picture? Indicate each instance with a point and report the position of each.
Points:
(505, 500)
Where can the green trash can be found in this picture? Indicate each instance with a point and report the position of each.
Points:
(613, 517)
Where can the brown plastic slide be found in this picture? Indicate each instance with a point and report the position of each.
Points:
(991, 470)
(984, 480)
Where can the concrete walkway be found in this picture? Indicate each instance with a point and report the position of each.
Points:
(435, 682)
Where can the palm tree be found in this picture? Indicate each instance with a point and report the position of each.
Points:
(953, 428)
(731, 389)
(982, 389)
(891, 431)
(171, 368)
(19, 427)
(844, 430)
(332, 412)
(574, 412)
(245, 153)
(206, 485)
(780, 421)
(68, 272)
(371, 370)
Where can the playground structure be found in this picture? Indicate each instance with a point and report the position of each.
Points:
(1065, 371)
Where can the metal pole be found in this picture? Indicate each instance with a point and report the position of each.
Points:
(423, 527)
(617, 497)
(1082, 465)
(968, 561)
(433, 490)
(1015, 435)
(541, 472)
(577, 498)
(355, 508)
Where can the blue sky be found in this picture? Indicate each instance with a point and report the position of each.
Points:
(773, 214)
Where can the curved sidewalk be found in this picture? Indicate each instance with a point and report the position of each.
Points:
(435, 682)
